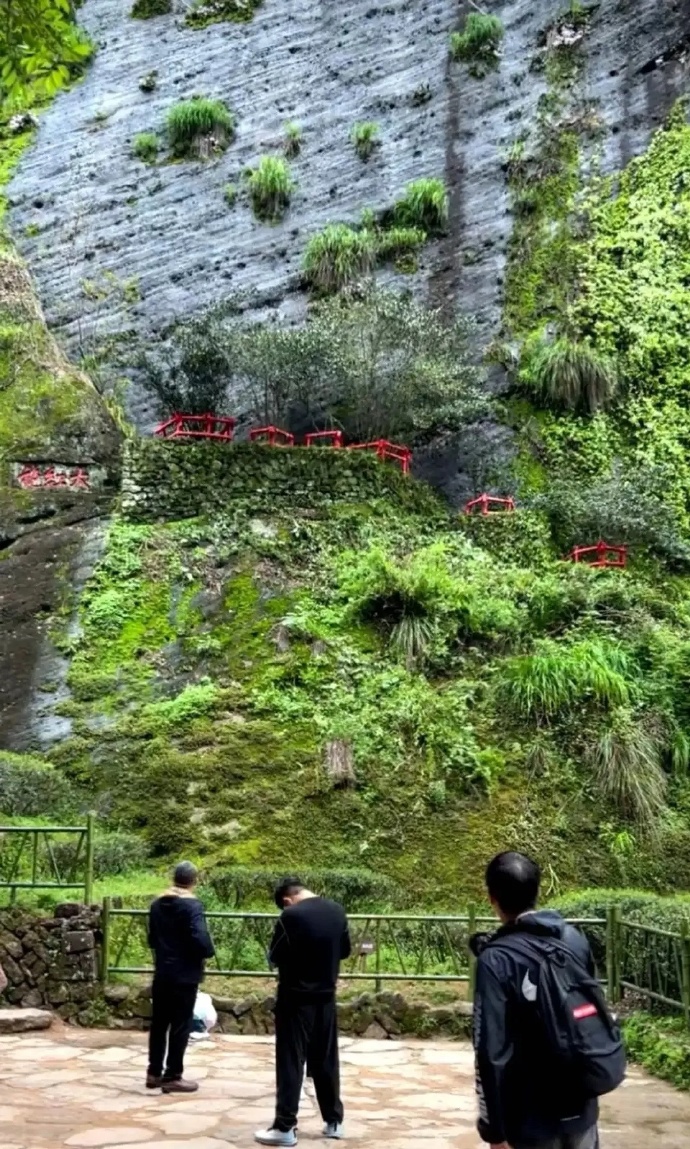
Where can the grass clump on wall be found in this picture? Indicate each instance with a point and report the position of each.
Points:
(145, 9)
(365, 138)
(424, 205)
(292, 145)
(338, 255)
(270, 188)
(479, 42)
(199, 126)
(570, 374)
(145, 147)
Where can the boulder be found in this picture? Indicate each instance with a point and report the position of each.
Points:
(24, 1020)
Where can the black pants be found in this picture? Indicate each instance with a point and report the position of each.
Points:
(171, 1025)
(306, 1032)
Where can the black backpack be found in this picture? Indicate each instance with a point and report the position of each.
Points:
(581, 1033)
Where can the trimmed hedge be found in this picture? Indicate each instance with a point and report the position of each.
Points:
(357, 889)
(665, 913)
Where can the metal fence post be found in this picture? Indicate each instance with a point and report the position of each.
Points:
(88, 877)
(685, 968)
(472, 978)
(613, 953)
(377, 983)
(105, 942)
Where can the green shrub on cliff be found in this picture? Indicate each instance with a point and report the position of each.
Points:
(365, 138)
(146, 9)
(559, 678)
(30, 787)
(145, 147)
(424, 205)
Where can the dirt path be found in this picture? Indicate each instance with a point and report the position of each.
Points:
(85, 1088)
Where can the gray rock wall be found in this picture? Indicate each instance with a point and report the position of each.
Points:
(166, 230)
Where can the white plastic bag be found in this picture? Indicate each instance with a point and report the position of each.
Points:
(204, 1010)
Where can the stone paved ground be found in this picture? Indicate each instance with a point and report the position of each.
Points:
(74, 1087)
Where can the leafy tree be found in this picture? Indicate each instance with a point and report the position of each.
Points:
(402, 371)
(194, 374)
(40, 46)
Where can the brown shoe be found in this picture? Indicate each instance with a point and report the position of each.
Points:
(153, 1082)
(180, 1086)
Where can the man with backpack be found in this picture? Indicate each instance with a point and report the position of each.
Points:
(546, 1044)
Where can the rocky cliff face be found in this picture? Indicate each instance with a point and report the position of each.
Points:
(119, 249)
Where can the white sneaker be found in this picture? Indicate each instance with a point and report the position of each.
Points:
(334, 1131)
(275, 1137)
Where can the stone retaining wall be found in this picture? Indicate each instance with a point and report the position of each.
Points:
(368, 1015)
(168, 480)
(51, 961)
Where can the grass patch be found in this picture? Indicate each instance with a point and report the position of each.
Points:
(570, 374)
(365, 138)
(230, 194)
(199, 127)
(270, 188)
(338, 255)
(399, 241)
(145, 147)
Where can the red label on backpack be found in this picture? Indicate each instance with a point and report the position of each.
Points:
(585, 1011)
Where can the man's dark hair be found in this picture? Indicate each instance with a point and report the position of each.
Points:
(287, 888)
(186, 875)
(512, 880)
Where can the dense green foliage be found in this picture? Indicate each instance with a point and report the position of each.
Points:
(205, 12)
(661, 1046)
(270, 188)
(41, 48)
(570, 375)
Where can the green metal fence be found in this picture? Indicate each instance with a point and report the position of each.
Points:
(386, 948)
(35, 858)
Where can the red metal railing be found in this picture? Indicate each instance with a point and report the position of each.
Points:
(490, 505)
(601, 555)
(273, 436)
(222, 427)
(219, 427)
(392, 452)
(329, 438)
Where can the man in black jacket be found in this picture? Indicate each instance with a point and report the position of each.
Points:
(310, 940)
(524, 1103)
(180, 941)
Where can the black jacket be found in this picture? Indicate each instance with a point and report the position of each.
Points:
(179, 938)
(310, 940)
(521, 1097)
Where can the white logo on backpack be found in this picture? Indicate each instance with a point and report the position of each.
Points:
(529, 989)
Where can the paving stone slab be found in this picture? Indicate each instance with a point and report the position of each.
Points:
(24, 1020)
